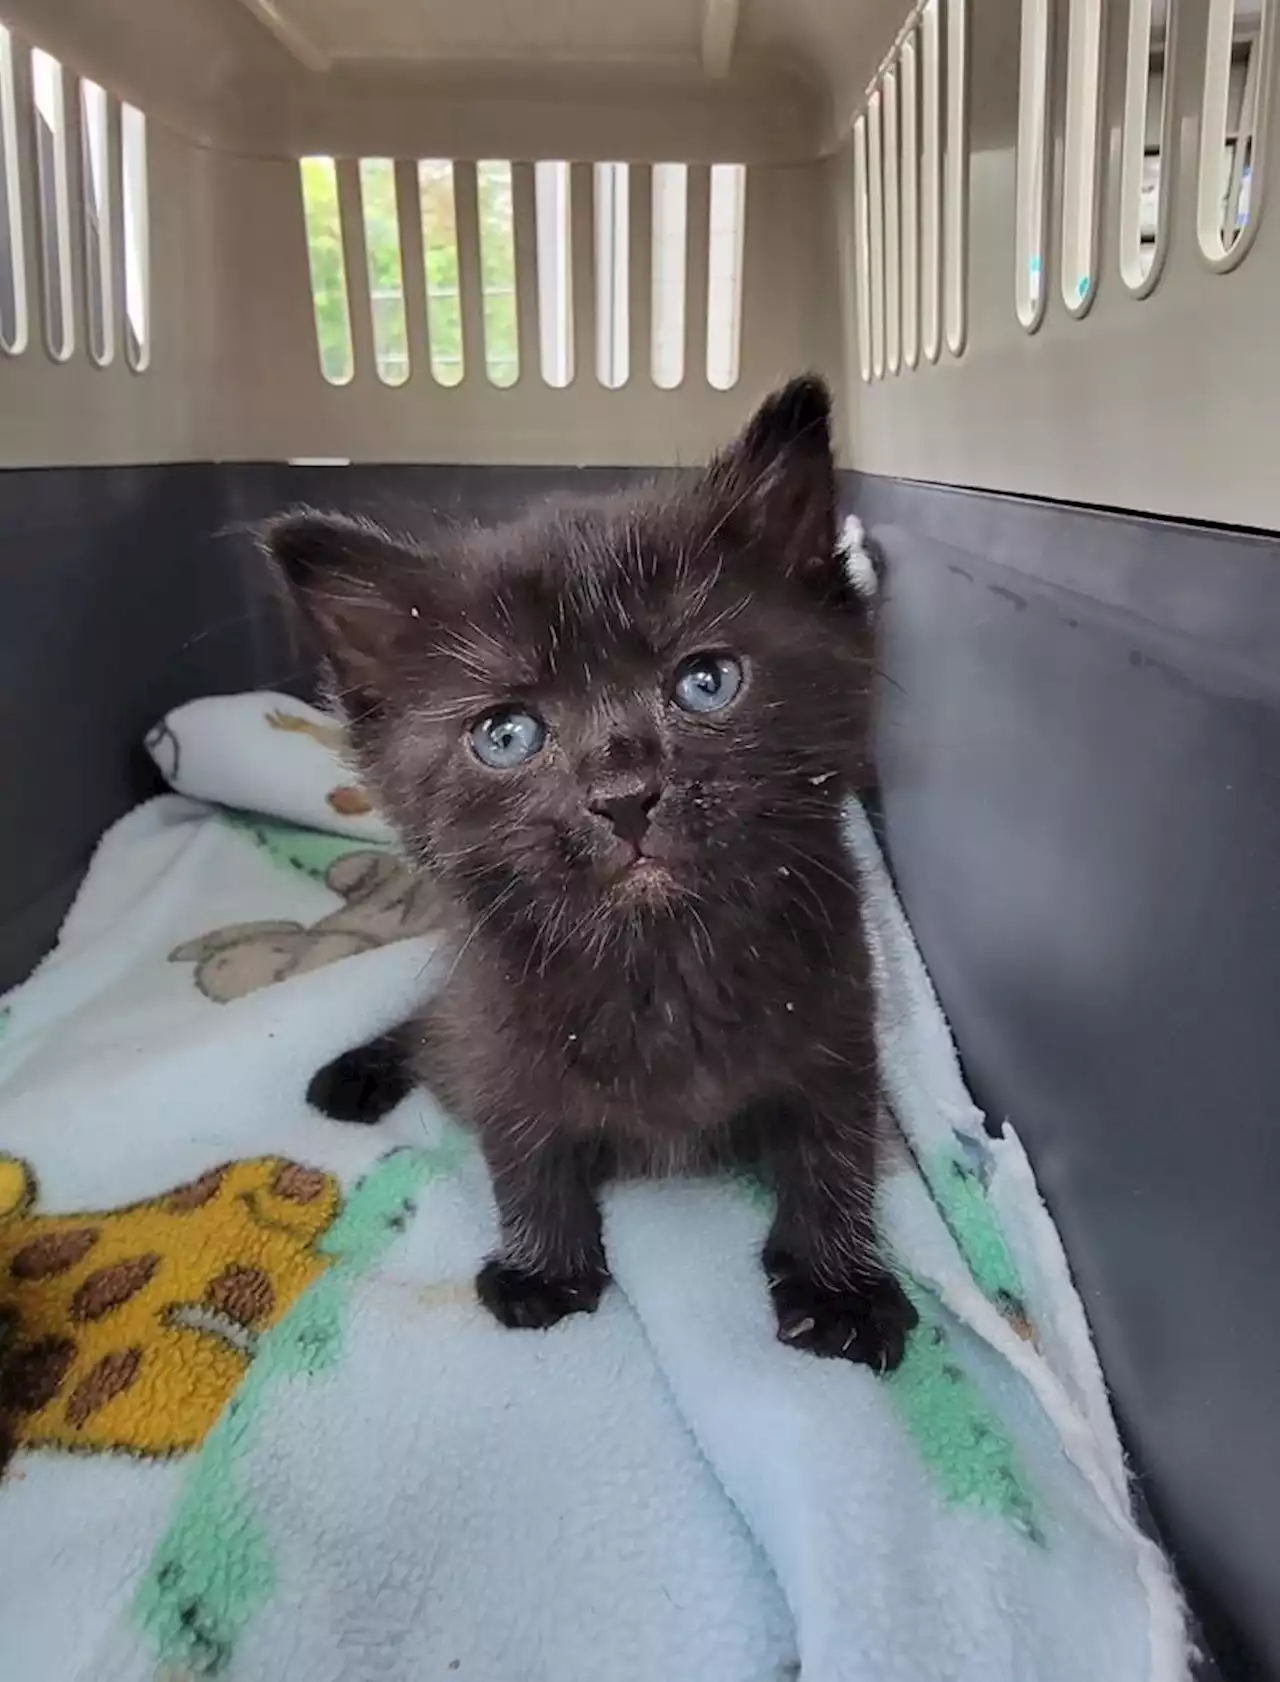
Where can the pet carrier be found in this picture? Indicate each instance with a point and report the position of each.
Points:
(391, 256)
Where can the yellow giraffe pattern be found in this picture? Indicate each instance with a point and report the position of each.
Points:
(129, 1329)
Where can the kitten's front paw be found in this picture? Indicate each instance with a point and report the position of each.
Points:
(362, 1085)
(517, 1298)
(867, 1323)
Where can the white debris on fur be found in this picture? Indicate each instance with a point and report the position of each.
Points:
(851, 545)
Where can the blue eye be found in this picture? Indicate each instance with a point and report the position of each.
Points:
(505, 739)
(705, 683)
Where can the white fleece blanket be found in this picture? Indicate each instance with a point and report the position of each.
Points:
(259, 1428)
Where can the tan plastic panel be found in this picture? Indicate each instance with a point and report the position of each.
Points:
(77, 413)
(664, 31)
(754, 80)
(1168, 404)
(234, 369)
(274, 401)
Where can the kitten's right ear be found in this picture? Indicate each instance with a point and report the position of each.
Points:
(353, 583)
(779, 478)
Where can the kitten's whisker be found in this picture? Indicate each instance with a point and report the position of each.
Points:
(484, 918)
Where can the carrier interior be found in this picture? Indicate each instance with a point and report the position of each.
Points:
(394, 256)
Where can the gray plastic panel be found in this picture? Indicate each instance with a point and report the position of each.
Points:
(1080, 764)
(116, 603)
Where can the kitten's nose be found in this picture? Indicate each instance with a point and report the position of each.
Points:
(626, 807)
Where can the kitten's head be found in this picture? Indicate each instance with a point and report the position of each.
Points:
(611, 709)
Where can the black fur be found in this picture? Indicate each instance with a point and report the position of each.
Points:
(685, 989)
(365, 1084)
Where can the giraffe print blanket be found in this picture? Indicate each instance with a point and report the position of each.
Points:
(253, 1424)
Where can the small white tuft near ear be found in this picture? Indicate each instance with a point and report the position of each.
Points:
(858, 567)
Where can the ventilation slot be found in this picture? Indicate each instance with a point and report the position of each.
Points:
(439, 213)
(956, 200)
(613, 274)
(724, 278)
(555, 274)
(137, 238)
(498, 273)
(1146, 146)
(328, 269)
(875, 171)
(57, 291)
(1233, 128)
(908, 100)
(670, 265)
(931, 182)
(862, 246)
(1080, 155)
(95, 172)
(1032, 164)
(13, 259)
(892, 224)
(385, 269)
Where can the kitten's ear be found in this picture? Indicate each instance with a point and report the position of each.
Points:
(354, 585)
(779, 477)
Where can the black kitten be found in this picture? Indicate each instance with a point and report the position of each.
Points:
(619, 733)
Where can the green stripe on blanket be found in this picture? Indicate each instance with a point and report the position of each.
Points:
(214, 1569)
(961, 1440)
(309, 852)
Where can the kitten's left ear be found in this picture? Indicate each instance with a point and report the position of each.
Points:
(781, 481)
(355, 585)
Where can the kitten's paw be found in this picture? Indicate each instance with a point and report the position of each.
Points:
(867, 1323)
(531, 1300)
(362, 1085)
